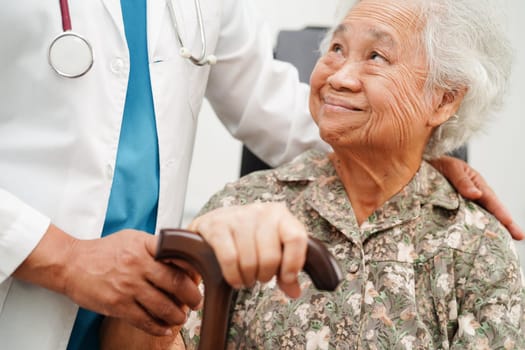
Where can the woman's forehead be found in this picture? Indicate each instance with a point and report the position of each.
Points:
(401, 16)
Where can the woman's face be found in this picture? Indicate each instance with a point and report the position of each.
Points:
(368, 89)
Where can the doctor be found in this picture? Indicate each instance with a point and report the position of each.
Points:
(96, 137)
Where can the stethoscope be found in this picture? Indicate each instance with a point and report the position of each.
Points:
(203, 59)
(71, 55)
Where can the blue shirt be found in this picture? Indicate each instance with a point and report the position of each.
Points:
(135, 190)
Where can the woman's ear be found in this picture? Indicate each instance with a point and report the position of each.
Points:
(448, 104)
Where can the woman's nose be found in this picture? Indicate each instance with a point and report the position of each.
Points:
(346, 77)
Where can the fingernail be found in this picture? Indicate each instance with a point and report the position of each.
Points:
(168, 332)
(475, 191)
(518, 232)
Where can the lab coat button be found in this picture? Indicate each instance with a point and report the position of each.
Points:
(117, 65)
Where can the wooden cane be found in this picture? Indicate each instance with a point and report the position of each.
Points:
(320, 265)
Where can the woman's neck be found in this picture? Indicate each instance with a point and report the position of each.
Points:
(371, 179)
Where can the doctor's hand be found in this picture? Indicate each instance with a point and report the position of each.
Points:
(471, 185)
(115, 276)
(256, 242)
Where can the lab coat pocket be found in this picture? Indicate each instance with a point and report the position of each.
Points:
(198, 75)
(4, 290)
(198, 79)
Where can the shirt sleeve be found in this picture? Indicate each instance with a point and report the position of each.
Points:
(21, 228)
(259, 100)
(491, 311)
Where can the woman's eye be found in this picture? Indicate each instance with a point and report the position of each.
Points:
(337, 48)
(374, 56)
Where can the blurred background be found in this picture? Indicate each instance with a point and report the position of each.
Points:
(498, 154)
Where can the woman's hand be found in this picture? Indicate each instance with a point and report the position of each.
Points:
(471, 185)
(256, 242)
(115, 276)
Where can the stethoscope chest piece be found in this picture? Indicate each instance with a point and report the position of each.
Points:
(70, 55)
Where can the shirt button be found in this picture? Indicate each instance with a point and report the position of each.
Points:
(117, 65)
(353, 268)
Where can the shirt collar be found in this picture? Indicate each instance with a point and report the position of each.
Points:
(326, 194)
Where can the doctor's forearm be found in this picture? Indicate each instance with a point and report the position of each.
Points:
(46, 265)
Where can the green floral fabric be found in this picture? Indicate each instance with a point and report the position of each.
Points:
(428, 270)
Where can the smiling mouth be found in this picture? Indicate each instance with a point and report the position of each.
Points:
(339, 105)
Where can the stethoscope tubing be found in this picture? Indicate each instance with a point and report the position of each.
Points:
(66, 17)
(202, 59)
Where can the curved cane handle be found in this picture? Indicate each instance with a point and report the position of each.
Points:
(320, 265)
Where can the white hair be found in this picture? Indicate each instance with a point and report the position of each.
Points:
(466, 46)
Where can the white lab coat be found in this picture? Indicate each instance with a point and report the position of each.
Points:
(59, 136)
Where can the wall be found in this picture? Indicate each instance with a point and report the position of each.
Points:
(498, 154)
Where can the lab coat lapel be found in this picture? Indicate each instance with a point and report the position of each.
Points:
(156, 10)
(156, 18)
(115, 11)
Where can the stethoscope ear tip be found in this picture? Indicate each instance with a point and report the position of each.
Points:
(212, 59)
(184, 52)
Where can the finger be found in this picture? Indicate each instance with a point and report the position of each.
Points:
(174, 281)
(294, 239)
(293, 290)
(269, 251)
(466, 187)
(220, 239)
(490, 201)
(243, 237)
(140, 318)
(516, 232)
(186, 267)
(465, 179)
(159, 306)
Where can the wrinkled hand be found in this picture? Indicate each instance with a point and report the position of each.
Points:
(256, 242)
(117, 276)
(471, 185)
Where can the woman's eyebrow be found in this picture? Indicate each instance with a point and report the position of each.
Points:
(374, 34)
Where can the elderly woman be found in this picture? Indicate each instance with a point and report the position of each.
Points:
(400, 81)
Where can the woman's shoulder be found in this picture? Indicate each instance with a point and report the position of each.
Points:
(454, 222)
(470, 232)
(480, 229)
(274, 185)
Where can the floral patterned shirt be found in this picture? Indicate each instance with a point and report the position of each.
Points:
(428, 270)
